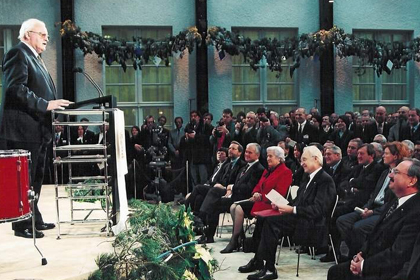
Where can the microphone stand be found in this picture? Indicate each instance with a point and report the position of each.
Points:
(95, 85)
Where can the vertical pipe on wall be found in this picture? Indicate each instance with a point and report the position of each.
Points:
(326, 20)
(202, 59)
(67, 54)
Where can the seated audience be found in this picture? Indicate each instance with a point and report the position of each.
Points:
(354, 226)
(304, 218)
(220, 197)
(277, 177)
(390, 244)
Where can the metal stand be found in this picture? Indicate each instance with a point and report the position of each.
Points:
(32, 198)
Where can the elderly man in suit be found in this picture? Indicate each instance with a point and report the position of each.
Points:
(306, 215)
(28, 96)
(390, 244)
(303, 132)
(221, 197)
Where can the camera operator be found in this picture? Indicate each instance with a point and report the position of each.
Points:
(152, 139)
(223, 133)
(197, 147)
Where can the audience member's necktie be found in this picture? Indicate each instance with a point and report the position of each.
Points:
(412, 131)
(391, 209)
(245, 170)
(300, 128)
(380, 128)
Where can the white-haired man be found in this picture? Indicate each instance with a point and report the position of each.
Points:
(28, 96)
(315, 199)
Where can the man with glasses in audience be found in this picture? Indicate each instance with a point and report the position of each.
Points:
(390, 244)
(29, 94)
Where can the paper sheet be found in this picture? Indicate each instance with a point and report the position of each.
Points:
(276, 198)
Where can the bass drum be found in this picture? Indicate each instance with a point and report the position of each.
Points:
(14, 185)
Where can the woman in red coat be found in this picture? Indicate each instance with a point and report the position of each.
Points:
(277, 177)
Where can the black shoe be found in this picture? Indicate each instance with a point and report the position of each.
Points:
(204, 240)
(27, 233)
(253, 265)
(45, 226)
(233, 245)
(329, 257)
(264, 274)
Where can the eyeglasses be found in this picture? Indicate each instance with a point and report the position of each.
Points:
(396, 172)
(43, 35)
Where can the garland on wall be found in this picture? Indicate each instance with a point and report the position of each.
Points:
(383, 57)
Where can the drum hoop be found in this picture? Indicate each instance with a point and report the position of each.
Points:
(18, 219)
(14, 153)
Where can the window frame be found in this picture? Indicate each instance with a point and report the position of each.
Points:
(378, 82)
(139, 105)
(263, 71)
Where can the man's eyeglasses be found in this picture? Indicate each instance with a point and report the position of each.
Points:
(43, 35)
(396, 172)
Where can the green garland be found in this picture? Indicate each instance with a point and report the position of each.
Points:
(381, 56)
(158, 246)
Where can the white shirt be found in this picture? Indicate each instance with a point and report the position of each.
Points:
(301, 126)
(32, 49)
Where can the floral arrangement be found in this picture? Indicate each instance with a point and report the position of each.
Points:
(157, 246)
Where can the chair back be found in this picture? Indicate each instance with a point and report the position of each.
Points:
(293, 191)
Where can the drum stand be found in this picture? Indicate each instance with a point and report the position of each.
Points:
(32, 198)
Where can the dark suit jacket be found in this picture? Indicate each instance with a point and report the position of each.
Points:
(407, 134)
(245, 182)
(372, 130)
(340, 173)
(313, 208)
(308, 135)
(411, 269)
(390, 244)
(27, 88)
(342, 141)
(229, 173)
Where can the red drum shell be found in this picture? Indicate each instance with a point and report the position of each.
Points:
(14, 185)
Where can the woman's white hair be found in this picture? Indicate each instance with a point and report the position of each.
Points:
(314, 152)
(27, 25)
(277, 151)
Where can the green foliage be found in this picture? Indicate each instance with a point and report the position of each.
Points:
(157, 246)
(140, 50)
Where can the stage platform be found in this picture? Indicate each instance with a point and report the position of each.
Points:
(73, 256)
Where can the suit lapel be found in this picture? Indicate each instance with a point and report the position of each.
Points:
(46, 75)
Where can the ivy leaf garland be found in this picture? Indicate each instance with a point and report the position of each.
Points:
(136, 52)
(140, 50)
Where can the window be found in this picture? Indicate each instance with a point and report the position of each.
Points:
(253, 89)
(8, 38)
(140, 92)
(369, 90)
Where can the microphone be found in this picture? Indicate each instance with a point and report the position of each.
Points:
(80, 70)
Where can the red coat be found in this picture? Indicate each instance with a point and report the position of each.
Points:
(280, 180)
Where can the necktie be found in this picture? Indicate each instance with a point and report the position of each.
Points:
(380, 128)
(245, 170)
(412, 131)
(300, 128)
(57, 137)
(217, 171)
(42, 62)
(391, 209)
